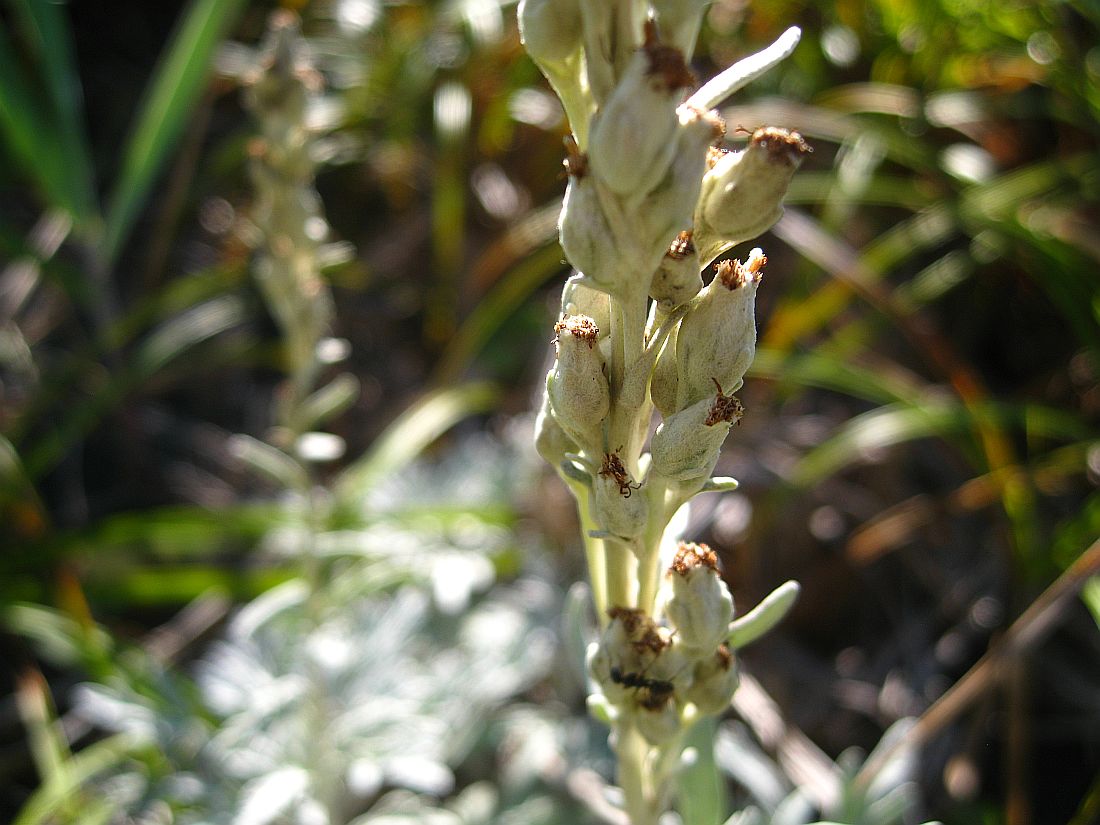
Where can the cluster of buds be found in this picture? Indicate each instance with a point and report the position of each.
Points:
(280, 93)
(650, 201)
(653, 197)
(659, 675)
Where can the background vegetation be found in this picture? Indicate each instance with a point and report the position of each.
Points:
(922, 449)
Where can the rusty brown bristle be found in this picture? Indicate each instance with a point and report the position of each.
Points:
(579, 326)
(690, 556)
(781, 143)
(682, 246)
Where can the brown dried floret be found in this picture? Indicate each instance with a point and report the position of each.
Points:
(690, 556)
(712, 118)
(724, 656)
(666, 61)
(640, 628)
(781, 143)
(727, 408)
(631, 617)
(733, 274)
(579, 326)
(682, 246)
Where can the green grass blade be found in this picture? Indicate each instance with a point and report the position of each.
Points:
(55, 794)
(825, 371)
(533, 267)
(405, 438)
(898, 423)
(47, 33)
(56, 636)
(31, 135)
(159, 349)
(176, 86)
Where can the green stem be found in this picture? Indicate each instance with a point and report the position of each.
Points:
(634, 779)
(594, 550)
(649, 573)
(622, 572)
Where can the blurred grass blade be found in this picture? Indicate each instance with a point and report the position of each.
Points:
(48, 747)
(176, 86)
(160, 348)
(881, 384)
(418, 427)
(176, 585)
(494, 310)
(60, 791)
(47, 33)
(17, 491)
(269, 462)
(176, 533)
(331, 400)
(933, 418)
(56, 636)
(31, 134)
(1090, 595)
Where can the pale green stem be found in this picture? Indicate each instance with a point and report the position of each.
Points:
(628, 389)
(649, 572)
(622, 574)
(634, 778)
(594, 550)
(616, 366)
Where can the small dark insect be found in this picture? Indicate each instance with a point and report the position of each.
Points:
(613, 466)
(657, 691)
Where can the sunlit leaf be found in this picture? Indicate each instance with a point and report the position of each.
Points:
(176, 85)
(414, 430)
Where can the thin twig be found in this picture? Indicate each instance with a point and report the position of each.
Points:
(1031, 628)
(807, 765)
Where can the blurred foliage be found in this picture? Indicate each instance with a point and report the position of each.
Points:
(922, 449)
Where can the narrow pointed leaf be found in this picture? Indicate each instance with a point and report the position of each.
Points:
(177, 85)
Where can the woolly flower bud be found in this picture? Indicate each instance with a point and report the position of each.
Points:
(583, 230)
(669, 207)
(577, 298)
(686, 445)
(550, 30)
(617, 505)
(701, 606)
(577, 387)
(742, 193)
(628, 647)
(633, 138)
(551, 441)
(714, 681)
(677, 280)
(659, 724)
(716, 341)
(680, 21)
